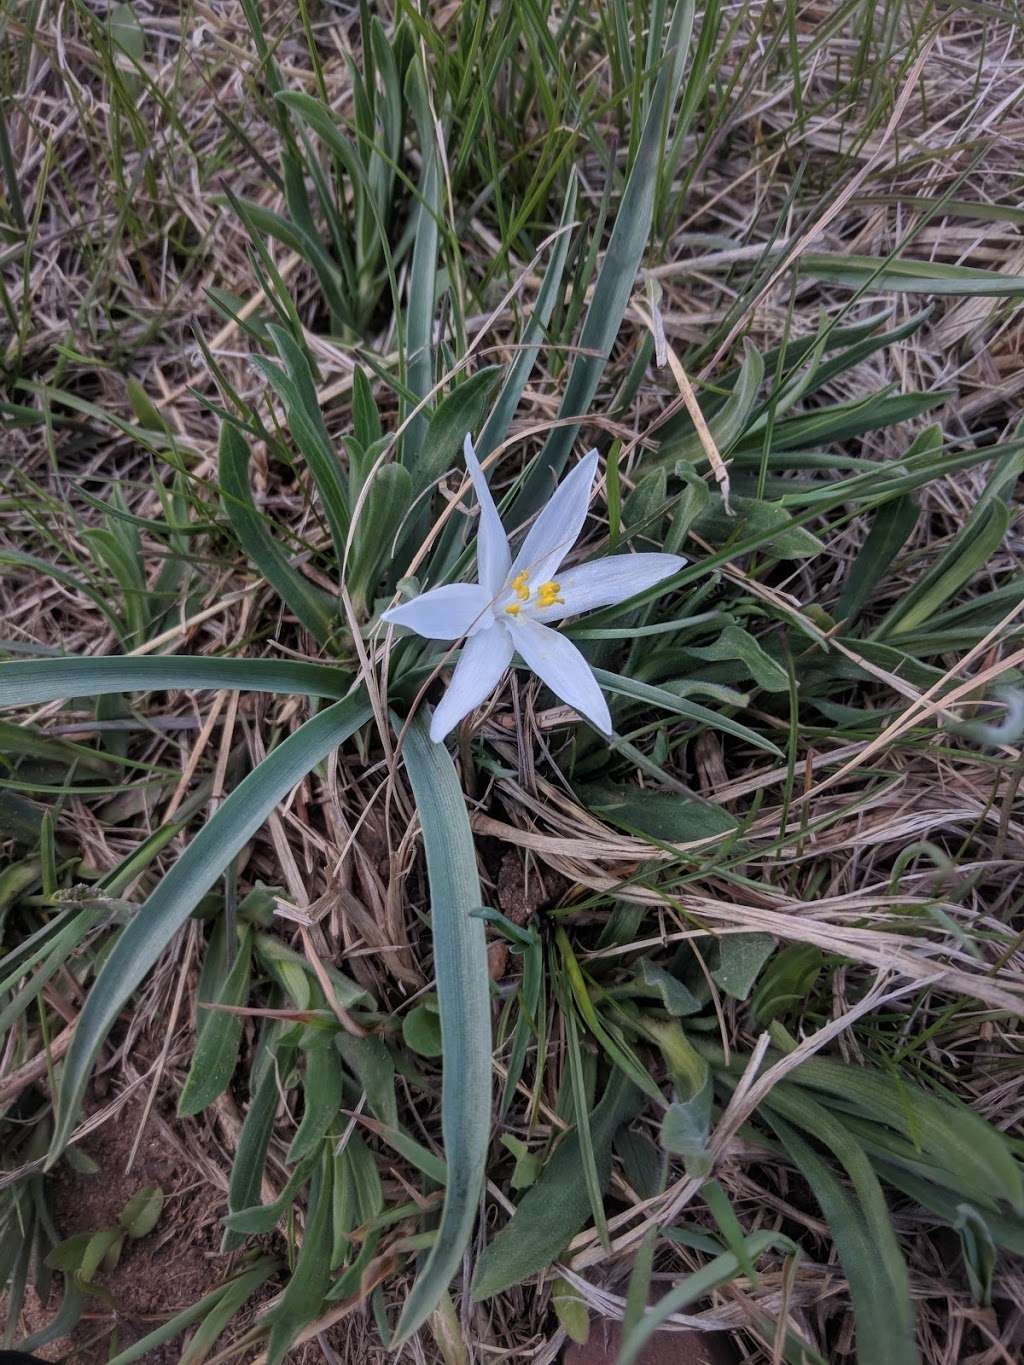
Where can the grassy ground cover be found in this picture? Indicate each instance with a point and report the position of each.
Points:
(319, 1040)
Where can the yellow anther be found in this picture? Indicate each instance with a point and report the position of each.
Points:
(519, 586)
(513, 610)
(547, 595)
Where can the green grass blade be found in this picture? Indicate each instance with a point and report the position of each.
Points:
(419, 313)
(719, 1271)
(312, 607)
(167, 909)
(497, 425)
(460, 966)
(863, 1235)
(668, 701)
(614, 284)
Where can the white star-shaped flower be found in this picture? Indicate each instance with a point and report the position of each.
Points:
(511, 607)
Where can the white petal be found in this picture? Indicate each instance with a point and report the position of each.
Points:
(603, 582)
(492, 553)
(559, 664)
(483, 660)
(558, 527)
(445, 613)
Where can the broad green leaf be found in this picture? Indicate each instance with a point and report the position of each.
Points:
(421, 1030)
(786, 982)
(753, 517)
(556, 1208)
(322, 1090)
(673, 996)
(892, 524)
(460, 968)
(740, 959)
(127, 32)
(224, 836)
(306, 1290)
(219, 1037)
(665, 816)
(571, 1310)
(371, 1062)
(461, 414)
(386, 503)
(685, 1124)
(528, 1164)
(737, 643)
(139, 1216)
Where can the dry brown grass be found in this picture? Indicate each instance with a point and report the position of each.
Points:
(127, 239)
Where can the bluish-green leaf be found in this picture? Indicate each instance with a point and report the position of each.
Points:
(167, 909)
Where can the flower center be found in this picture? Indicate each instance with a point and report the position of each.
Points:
(547, 594)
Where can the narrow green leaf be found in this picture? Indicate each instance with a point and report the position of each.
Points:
(910, 277)
(665, 700)
(460, 968)
(251, 1150)
(422, 285)
(29, 682)
(322, 1090)
(498, 423)
(165, 912)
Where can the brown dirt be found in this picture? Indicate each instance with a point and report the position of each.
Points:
(157, 1275)
(664, 1348)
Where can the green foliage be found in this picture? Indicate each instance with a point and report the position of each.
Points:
(462, 242)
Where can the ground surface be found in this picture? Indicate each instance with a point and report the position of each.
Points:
(883, 841)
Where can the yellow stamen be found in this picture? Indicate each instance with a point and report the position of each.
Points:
(519, 586)
(547, 595)
(513, 610)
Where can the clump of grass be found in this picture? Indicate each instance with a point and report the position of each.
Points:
(718, 1014)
